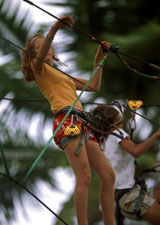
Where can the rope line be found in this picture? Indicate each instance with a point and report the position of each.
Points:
(7, 175)
(13, 180)
(70, 109)
(53, 67)
(84, 103)
(115, 102)
(114, 48)
(134, 70)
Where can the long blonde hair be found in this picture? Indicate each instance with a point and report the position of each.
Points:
(28, 55)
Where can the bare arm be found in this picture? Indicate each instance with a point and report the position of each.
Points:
(137, 150)
(96, 81)
(43, 51)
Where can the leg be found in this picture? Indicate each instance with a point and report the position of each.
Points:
(99, 163)
(153, 214)
(118, 215)
(156, 194)
(80, 166)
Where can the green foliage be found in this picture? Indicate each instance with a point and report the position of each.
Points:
(133, 25)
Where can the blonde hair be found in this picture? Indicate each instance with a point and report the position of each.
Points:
(28, 55)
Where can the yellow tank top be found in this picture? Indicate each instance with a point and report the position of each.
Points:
(58, 88)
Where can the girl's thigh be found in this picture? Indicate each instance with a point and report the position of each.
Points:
(79, 163)
(97, 159)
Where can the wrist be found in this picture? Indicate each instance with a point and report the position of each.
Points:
(50, 39)
(97, 65)
(56, 26)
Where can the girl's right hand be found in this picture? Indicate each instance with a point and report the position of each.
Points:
(68, 21)
(100, 51)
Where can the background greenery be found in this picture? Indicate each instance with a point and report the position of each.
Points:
(134, 26)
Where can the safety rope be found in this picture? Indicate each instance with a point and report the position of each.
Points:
(134, 70)
(13, 180)
(10, 178)
(83, 103)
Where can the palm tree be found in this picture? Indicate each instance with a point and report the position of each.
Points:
(106, 20)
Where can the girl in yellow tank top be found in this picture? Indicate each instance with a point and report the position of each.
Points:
(61, 92)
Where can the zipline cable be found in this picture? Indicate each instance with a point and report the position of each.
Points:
(13, 180)
(113, 48)
(7, 175)
(83, 103)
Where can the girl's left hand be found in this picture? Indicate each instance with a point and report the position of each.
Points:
(105, 46)
(68, 21)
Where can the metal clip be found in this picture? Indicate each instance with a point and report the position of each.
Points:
(134, 105)
(72, 129)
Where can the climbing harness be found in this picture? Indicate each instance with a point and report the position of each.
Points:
(73, 131)
(139, 176)
(139, 180)
(103, 130)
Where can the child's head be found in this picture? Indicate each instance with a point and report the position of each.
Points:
(30, 52)
(106, 117)
(108, 114)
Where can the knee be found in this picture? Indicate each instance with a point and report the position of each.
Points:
(84, 180)
(109, 177)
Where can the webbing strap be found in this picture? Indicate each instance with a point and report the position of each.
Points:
(67, 140)
(46, 146)
(78, 149)
(139, 202)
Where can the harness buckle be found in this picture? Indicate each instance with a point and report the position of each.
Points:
(72, 130)
(134, 105)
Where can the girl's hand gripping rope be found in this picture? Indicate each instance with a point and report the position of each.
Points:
(64, 22)
(104, 47)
